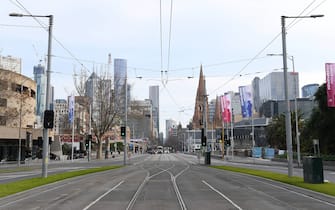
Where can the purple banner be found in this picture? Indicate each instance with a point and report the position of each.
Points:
(246, 100)
(330, 72)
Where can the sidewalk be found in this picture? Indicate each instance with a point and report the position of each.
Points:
(327, 165)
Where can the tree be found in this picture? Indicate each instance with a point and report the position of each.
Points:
(107, 108)
(320, 125)
(276, 131)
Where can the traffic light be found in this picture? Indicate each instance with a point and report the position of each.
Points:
(204, 141)
(123, 130)
(227, 142)
(87, 140)
(203, 138)
(48, 121)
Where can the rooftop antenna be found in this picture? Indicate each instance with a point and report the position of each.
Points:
(36, 54)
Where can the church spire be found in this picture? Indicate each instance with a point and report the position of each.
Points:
(199, 102)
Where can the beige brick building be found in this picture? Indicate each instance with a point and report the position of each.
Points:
(17, 111)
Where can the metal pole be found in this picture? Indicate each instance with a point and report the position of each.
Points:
(19, 152)
(72, 139)
(232, 133)
(125, 136)
(47, 103)
(287, 112)
(90, 132)
(204, 115)
(296, 112)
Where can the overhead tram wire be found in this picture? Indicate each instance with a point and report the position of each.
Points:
(169, 48)
(297, 20)
(22, 7)
(21, 26)
(164, 73)
(263, 49)
(161, 38)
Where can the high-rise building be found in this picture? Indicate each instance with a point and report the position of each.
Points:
(154, 97)
(309, 90)
(61, 110)
(271, 87)
(211, 110)
(40, 79)
(120, 78)
(90, 89)
(140, 121)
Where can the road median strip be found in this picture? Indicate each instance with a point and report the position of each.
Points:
(27, 184)
(326, 188)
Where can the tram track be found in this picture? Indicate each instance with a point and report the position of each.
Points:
(149, 177)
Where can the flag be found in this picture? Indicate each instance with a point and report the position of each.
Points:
(330, 81)
(226, 108)
(71, 109)
(246, 100)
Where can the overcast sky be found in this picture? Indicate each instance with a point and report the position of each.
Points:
(230, 38)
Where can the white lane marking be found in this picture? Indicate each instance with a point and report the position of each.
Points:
(298, 193)
(27, 197)
(225, 197)
(103, 195)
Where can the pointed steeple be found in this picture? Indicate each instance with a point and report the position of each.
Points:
(199, 102)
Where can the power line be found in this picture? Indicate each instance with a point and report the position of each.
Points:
(21, 26)
(264, 48)
(22, 7)
(169, 49)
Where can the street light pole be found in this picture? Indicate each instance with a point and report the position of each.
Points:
(288, 112)
(291, 57)
(20, 126)
(296, 112)
(45, 154)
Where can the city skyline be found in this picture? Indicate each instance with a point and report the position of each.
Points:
(227, 44)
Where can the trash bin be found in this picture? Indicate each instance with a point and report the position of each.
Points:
(208, 158)
(313, 169)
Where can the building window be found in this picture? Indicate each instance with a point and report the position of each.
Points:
(3, 120)
(3, 102)
(33, 94)
(3, 85)
(16, 87)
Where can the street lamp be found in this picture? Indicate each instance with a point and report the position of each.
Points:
(20, 123)
(295, 106)
(288, 114)
(47, 101)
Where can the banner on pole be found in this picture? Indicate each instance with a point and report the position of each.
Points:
(71, 108)
(330, 83)
(246, 100)
(226, 108)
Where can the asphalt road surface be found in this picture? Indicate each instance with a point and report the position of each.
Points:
(167, 181)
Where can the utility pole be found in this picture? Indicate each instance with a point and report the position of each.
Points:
(287, 111)
(204, 115)
(126, 118)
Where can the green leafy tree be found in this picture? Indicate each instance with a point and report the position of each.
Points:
(321, 125)
(276, 132)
